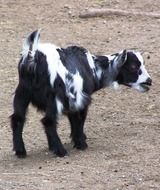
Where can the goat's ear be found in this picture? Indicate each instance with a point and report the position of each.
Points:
(121, 58)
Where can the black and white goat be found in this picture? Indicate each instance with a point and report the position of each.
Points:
(58, 80)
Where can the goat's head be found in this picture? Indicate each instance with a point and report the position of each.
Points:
(131, 70)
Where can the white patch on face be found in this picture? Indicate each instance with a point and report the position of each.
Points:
(144, 75)
(52, 57)
(59, 106)
(139, 56)
(142, 78)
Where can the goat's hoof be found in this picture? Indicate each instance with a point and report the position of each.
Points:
(81, 145)
(21, 154)
(60, 152)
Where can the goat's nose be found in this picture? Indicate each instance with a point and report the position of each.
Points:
(149, 81)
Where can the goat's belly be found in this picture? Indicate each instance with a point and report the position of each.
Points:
(38, 104)
(39, 100)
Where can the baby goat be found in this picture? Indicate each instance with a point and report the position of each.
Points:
(62, 80)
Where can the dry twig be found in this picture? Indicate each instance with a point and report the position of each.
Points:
(108, 12)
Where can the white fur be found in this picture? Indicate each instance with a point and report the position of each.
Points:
(62, 71)
(78, 85)
(77, 95)
(35, 43)
(139, 56)
(55, 67)
(114, 65)
(26, 46)
(25, 50)
(59, 106)
(119, 61)
(115, 85)
(138, 87)
(144, 76)
(52, 57)
(90, 60)
(99, 73)
(110, 57)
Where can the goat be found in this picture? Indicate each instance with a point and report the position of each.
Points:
(61, 81)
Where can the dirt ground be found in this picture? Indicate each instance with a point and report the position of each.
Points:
(123, 126)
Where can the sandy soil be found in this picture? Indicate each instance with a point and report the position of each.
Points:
(123, 127)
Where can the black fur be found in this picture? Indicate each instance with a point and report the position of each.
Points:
(35, 87)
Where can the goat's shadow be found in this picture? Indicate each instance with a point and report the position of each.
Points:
(34, 158)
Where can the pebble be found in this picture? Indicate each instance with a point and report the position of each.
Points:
(67, 6)
(69, 12)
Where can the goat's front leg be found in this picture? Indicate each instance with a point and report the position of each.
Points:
(50, 126)
(20, 104)
(77, 121)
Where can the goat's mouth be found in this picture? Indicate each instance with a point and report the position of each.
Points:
(145, 85)
(141, 87)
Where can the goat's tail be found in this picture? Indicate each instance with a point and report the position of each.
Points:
(30, 44)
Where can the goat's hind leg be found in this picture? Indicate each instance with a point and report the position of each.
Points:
(77, 121)
(50, 126)
(20, 104)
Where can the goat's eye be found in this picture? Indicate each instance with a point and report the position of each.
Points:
(134, 67)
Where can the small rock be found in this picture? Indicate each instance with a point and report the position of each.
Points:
(148, 56)
(82, 173)
(69, 12)
(67, 6)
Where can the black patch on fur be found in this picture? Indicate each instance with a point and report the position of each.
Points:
(74, 59)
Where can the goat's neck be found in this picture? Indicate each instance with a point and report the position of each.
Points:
(106, 76)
